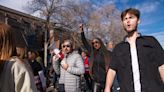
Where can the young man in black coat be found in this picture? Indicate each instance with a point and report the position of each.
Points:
(138, 60)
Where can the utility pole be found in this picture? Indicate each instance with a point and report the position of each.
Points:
(45, 47)
(47, 27)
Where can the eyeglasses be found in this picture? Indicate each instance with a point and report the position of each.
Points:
(68, 46)
(95, 42)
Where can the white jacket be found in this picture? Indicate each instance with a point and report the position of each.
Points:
(16, 77)
(71, 77)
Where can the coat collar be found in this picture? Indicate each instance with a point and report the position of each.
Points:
(126, 37)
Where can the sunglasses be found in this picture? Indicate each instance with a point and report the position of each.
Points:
(95, 42)
(68, 46)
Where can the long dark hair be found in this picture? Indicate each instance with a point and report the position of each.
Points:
(104, 51)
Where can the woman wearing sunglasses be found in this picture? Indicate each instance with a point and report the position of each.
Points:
(71, 67)
(99, 63)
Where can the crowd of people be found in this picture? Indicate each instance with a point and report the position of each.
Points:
(134, 65)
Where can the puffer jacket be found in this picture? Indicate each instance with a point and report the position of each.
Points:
(71, 77)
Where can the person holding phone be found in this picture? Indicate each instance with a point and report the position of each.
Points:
(71, 67)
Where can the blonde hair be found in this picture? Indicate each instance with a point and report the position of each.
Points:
(6, 42)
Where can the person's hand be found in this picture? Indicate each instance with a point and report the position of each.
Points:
(55, 58)
(81, 28)
(64, 66)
